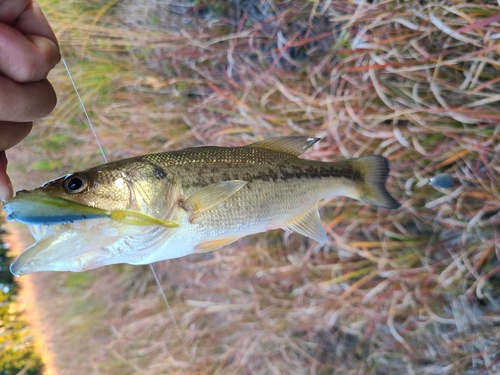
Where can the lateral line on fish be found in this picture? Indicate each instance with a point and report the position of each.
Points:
(157, 280)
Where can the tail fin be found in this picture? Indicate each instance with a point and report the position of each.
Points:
(375, 170)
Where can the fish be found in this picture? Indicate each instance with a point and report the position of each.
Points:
(194, 200)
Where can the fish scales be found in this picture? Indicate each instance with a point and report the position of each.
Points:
(279, 185)
(248, 163)
(171, 204)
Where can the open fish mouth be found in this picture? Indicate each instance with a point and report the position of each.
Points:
(68, 247)
(74, 237)
(86, 245)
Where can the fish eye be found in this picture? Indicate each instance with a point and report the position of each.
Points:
(75, 183)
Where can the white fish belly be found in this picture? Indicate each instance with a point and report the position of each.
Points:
(257, 208)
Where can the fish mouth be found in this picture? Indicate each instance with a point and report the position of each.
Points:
(67, 240)
(86, 245)
(60, 245)
(70, 247)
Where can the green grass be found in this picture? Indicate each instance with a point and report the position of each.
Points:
(393, 291)
(17, 348)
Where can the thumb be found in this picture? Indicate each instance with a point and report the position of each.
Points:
(6, 190)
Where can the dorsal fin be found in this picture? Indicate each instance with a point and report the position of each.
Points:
(293, 145)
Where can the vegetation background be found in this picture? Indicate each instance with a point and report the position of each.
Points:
(415, 290)
(17, 351)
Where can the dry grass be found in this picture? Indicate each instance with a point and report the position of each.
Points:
(414, 290)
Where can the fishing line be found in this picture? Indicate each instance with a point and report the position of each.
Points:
(84, 110)
(157, 280)
(169, 309)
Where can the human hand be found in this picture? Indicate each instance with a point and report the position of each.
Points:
(28, 51)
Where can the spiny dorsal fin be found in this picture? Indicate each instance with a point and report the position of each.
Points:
(212, 195)
(308, 224)
(293, 145)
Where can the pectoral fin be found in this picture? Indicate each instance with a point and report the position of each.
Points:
(212, 195)
(138, 218)
(308, 224)
(215, 244)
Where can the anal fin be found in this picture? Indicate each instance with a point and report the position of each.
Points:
(215, 244)
(308, 224)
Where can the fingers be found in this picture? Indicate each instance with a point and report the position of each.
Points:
(11, 9)
(26, 58)
(28, 51)
(33, 22)
(28, 46)
(6, 190)
(13, 133)
(44, 53)
(23, 102)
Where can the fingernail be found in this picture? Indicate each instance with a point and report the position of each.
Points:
(6, 190)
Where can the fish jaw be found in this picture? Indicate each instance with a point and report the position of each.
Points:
(96, 243)
(41, 257)
(70, 247)
(75, 237)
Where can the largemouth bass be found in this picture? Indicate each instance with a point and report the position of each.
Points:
(202, 198)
